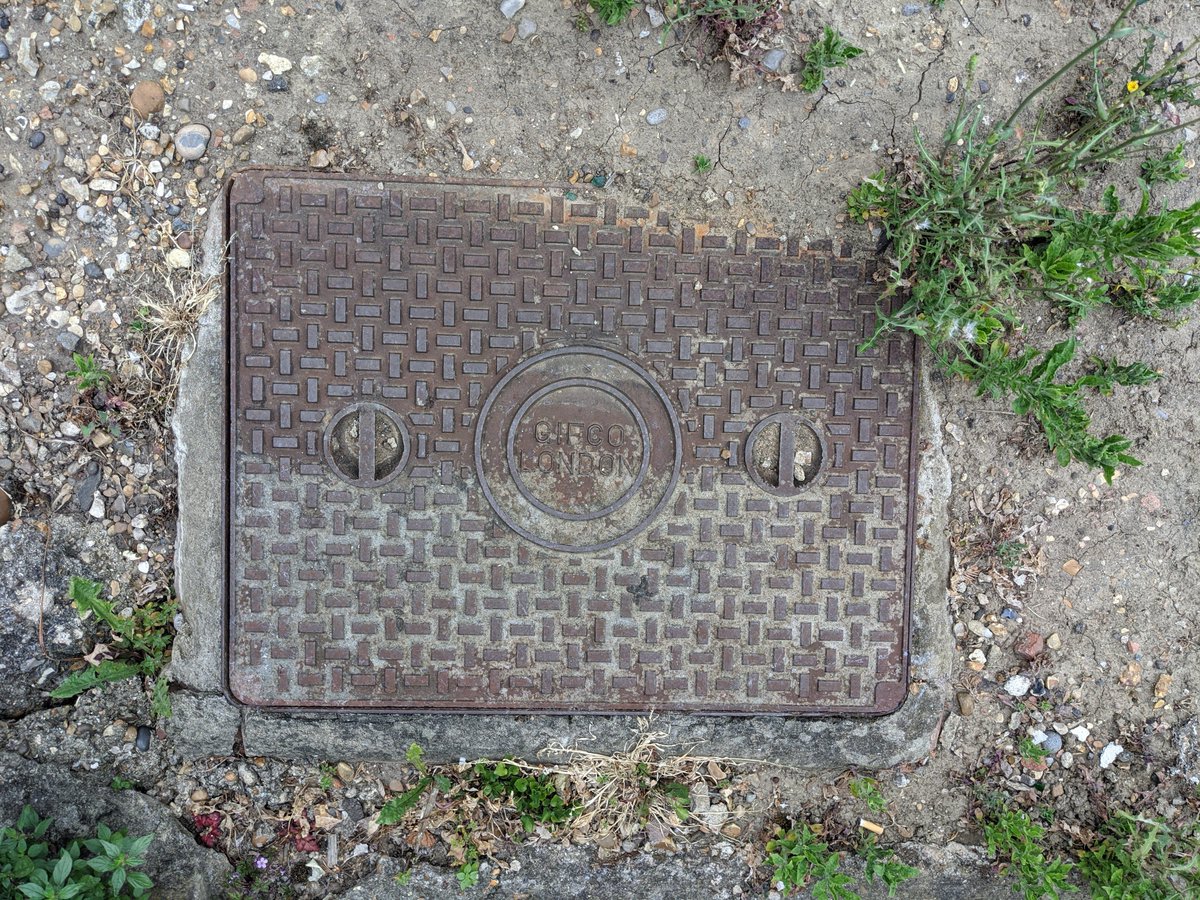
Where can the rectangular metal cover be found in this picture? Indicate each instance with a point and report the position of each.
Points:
(496, 448)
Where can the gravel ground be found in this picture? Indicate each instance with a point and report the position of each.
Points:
(121, 121)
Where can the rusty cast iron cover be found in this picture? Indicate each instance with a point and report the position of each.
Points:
(492, 448)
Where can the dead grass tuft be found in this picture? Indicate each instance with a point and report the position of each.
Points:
(650, 785)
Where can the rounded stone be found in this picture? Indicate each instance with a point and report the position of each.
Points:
(147, 98)
(191, 141)
(656, 116)
(37, 139)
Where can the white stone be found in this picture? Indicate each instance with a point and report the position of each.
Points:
(104, 185)
(1109, 754)
(1080, 733)
(50, 91)
(509, 8)
(123, 263)
(179, 258)
(657, 19)
(73, 189)
(97, 509)
(277, 64)
(18, 301)
(526, 29)
(978, 629)
(310, 65)
(1018, 685)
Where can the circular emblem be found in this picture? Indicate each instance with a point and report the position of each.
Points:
(577, 449)
(784, 454)
(366, 444)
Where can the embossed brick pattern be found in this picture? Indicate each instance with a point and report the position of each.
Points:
(413, 594)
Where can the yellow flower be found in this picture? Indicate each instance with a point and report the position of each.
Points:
(1132, 86)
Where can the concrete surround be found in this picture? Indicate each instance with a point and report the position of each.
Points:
(207, 723)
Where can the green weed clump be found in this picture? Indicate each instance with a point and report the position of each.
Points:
(800, 859)
(140, 645)
(1007, 219)
(831, 52)
(1015, 839)
(613, 12)
(97, 868)
(535, 797)
(1143, 859)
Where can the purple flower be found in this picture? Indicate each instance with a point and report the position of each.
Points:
(260, 862)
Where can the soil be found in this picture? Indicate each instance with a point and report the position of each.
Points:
(98, 214)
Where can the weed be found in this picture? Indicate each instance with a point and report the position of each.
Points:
(801, 860)
(830, 52)
(639, 786)
(535, 797)
(1009, 553)
(468, 874)
(393, 810)
(91, 869)
(613, 12)
(702, 163)
(741, 29)
(1001, 218)
(141, 645)
(1143, 859)
(257, 878)
(120, 784)
(867, 790)
(881, 863)
(87, 373)
(582, 24)
(1031, 751)
(1164, 169)
(403, 878)
(1013, 836)
(325, 778)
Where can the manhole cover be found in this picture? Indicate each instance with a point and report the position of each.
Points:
(493, 449)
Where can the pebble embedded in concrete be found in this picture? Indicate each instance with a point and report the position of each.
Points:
(773, 59)
(191, 141)
(656, 116)
(1018, 685)
(509, 8)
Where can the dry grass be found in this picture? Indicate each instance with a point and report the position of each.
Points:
(662, 788)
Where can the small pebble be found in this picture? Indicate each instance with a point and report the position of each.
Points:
(509, 8)
(86, 214)
(773, 59)
(656, 116)
(1109, 754)
(1052, 743)
(37, 139)
(93, 271)
(984, 86)
(5, 53)
(526, 29)
(1018, 685)
(277, 85)
(147, 98)
(966, 703)
(744, 123)
(910, 9)
(143, 737)
(191, 141)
